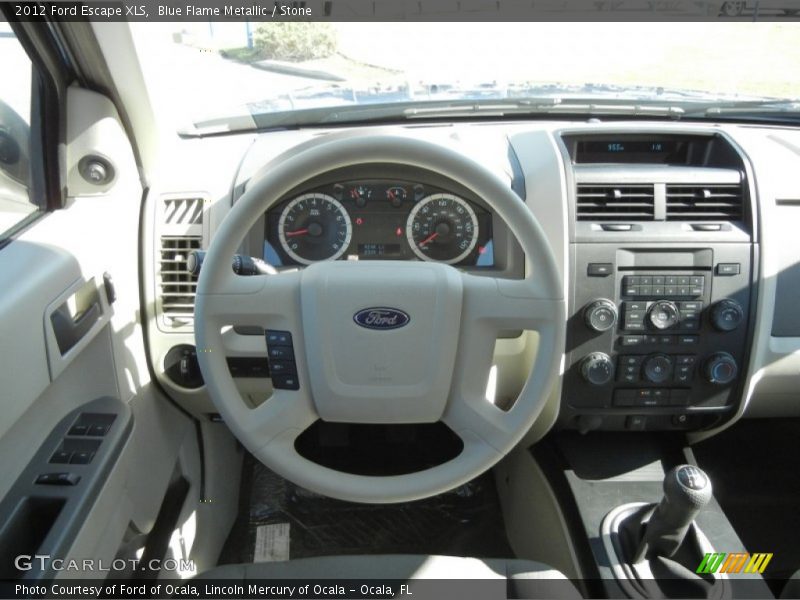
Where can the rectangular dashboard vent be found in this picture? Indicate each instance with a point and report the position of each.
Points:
(183, 211)
(177, 284)
(717, 202)
(615, 202)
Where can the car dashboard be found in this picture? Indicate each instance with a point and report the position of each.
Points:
(657, 227)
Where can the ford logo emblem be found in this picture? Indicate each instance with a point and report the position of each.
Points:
(381, 317)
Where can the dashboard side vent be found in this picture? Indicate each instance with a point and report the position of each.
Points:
(615, 202)
(183, 211)
(177, 285)
(716, 202)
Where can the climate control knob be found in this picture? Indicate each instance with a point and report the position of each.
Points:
(663, 314)
(657, 368)
(597, 368)
(720, 368)
(600, 315)
(727, 315)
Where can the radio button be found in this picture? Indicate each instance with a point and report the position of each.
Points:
(631, 340)
(663, 314)
(658, 368)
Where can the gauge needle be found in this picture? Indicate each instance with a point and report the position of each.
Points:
(298, 232)
(430, 238)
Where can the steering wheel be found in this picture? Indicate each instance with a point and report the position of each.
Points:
(435, 368)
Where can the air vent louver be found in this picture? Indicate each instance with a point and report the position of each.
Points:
(717, 202)
(616, 202)
(183, 211)
(177, 285)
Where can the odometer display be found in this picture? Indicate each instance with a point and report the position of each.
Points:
(442, 228)
(314, 227)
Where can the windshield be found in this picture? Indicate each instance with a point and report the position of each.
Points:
(227, 76)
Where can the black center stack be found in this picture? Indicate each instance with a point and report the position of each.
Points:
(663, 270)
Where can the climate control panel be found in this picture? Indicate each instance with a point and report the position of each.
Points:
(658, 338)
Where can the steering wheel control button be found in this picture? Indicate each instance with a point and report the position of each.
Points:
(657, 368)
(282, 367)
(278, 338)
(663, 314)
(285, 382)
(599, 269)
(727, 315)
(720, 368)
(600, 315)
(280, 353)
(597, 368)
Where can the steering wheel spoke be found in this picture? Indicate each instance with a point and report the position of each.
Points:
(285, 410)
(254, 300)
(494, 304)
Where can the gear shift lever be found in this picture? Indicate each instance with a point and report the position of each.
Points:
(687, 489)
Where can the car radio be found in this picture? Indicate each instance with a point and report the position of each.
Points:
(657, 338)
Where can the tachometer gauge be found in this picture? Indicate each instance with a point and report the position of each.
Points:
(443, 228)
(314, 227)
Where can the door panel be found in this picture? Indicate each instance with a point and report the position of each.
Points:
(42, 381)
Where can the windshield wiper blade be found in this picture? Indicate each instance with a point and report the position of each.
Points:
(784, 108)
(501, 108)
(550, 106)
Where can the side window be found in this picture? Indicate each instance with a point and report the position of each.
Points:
(16, 204)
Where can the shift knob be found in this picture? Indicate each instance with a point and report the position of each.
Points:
(687, 489)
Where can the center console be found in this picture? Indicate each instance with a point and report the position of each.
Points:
(663, 271)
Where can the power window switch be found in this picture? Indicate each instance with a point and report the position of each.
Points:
(58, 479)
(83, 457)
(60, 457)
(79, 429)
(97, 430)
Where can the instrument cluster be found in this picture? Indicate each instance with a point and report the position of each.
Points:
(378, 220)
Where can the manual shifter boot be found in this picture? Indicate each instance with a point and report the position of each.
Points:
(687, 490)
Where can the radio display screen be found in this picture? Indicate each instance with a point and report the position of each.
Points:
(622, 150)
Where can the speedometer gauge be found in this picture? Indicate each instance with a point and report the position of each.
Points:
(443, 228)
(314, 227)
